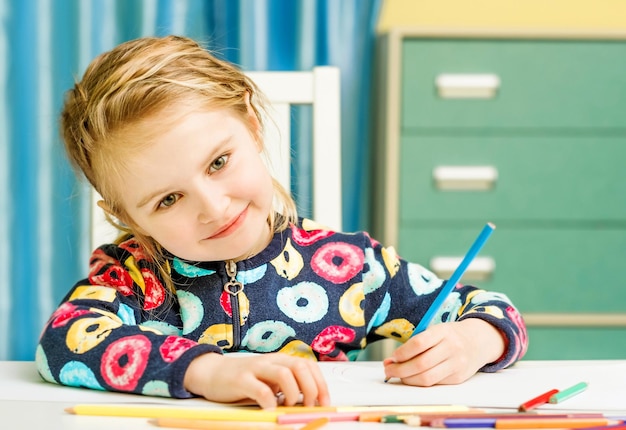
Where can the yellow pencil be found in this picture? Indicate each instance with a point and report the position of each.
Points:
(304, 409)
(408, 409)
(165, 411)
(185, 423)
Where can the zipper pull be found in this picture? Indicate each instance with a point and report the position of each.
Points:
(233, 286)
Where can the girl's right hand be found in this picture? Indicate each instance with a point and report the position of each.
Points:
(260, 377)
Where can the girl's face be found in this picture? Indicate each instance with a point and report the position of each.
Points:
(200, 189)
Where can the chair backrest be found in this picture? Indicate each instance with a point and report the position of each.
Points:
(319, 88)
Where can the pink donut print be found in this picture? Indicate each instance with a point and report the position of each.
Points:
(307, 237)
(133, 352)
(114, 276)
(174, 346)
(66, 312)
(339, 357)
(226, 303)
(324, 342)
(136, 250)
(155, 293)
(338, 262)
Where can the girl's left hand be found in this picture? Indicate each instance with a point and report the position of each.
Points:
(447, 353)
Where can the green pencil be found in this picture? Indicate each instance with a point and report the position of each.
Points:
(568, 392)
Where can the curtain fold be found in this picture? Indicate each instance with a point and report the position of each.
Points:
(46, 44)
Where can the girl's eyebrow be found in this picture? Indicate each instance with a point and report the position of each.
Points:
(149, 198)
(219, 147)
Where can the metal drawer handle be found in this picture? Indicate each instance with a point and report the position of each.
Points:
(577, 319)
(465, 178)
(462, 86)
(480, 269)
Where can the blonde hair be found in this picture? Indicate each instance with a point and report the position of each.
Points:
(132, 84)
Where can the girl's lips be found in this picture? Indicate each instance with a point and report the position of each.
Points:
(230, 227)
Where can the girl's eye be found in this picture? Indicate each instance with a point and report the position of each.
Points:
(219, 163)
(168, 201)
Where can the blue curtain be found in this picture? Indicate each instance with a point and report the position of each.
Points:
(46, 44)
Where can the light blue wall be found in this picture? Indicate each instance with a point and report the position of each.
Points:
(45, 44)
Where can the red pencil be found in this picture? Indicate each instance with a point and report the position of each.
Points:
(537, 401)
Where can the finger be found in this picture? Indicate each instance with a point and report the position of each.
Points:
(258, 391)
(434, 375)
(281, 375)
(311, 382)
(323, 395)
(417, 345)
(417, 365)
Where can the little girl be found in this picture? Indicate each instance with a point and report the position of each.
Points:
(214, 259)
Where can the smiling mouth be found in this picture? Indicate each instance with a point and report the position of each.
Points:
(230, 227)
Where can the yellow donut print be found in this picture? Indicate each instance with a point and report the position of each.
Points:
(490, 310)
(135, 273)
(309, 224)
(218, 334)
(350, 305)
(398, 329)
(289, 263)
(391, 260)
(297, 348)
(244, 307)
(86, 333)
(93, 292)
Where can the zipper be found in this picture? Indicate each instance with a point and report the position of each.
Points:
(234, 287)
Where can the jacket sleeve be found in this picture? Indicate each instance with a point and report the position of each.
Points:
(116, 330)
(406, 290)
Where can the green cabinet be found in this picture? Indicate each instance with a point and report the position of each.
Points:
(527, 131)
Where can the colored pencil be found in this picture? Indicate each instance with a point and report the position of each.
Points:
(463, 422)
(541, 399)
(569, 423)
(354, 413)
(311, 416)
(315, 424)
(516, 423)
(409, 409)
(185, 423)
(302, 413)
(619, 426)
(161, 411)
(568, 392)
(425, 420)
(455, 278)
(300, 409)
(376, 416)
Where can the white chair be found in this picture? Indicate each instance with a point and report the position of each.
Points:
(319, 88)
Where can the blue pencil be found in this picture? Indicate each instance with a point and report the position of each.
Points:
(455, 278)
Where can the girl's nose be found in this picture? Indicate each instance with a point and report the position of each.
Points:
(211, 205)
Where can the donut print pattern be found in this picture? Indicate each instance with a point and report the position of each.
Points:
(305, 302)
(312, 293)
(338, 262)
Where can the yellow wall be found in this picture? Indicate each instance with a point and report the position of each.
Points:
(522, 14)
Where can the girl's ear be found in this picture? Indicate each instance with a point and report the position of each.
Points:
(254, 121)
(102, 205)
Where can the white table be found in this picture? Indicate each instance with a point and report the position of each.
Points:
(27, 402)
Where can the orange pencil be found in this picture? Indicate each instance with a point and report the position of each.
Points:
(545, 423)
(315, 424)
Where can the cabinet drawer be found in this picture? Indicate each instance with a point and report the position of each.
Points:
(549, 84)
(576, 344)
(541, 270)
(539, 179)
